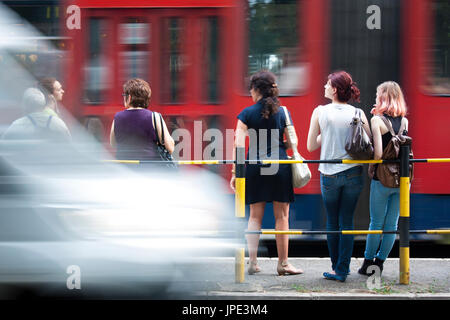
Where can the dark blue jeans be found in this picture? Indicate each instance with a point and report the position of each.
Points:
(340, 193)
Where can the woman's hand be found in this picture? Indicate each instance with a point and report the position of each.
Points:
(371, 171)
(287, 145)
(233, 183)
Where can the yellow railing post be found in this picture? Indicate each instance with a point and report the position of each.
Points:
(240, 211)
(404, 215)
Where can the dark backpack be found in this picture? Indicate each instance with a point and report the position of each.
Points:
(389, 173)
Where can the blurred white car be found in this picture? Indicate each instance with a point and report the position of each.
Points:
(69, 220)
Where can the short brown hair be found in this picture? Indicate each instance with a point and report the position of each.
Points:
(140, 92)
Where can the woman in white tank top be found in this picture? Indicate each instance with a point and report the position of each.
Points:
(340, 184)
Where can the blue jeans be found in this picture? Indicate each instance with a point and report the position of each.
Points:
(384, 212)
(340, 193)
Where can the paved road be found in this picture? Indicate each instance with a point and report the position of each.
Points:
(429, 279)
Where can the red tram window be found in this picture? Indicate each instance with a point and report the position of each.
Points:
(210, 60)
(134, 56)
(438, 74)
(98, 67)
(174, 61)
(274, 43)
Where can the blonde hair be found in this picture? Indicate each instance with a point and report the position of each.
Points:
(389, 100)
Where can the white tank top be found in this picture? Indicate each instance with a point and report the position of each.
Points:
(334, 122)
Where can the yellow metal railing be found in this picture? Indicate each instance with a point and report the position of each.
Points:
(403, 231)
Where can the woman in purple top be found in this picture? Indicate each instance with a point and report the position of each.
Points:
(132, 131)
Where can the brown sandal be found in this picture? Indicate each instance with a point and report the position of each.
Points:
(285, 268)
(253, 267)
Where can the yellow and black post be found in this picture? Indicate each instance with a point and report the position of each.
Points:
(404, 214)
(240, 211)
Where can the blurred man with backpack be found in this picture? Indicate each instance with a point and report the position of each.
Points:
(37, 124)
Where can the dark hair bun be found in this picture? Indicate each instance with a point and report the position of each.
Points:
(346, 89)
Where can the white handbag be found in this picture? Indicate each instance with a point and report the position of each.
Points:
(300, 171)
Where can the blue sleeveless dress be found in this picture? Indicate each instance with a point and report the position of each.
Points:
(264, 184)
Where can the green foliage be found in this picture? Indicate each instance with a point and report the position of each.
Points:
(272, 33)
(272, 25)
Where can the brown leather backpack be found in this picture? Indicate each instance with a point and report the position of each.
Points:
(389, 173)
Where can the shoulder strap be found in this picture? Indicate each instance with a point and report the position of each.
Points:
(35, 124)
(288, 120)
(388, 125)
(358, 113)
(155, 128)
(32, 120)
(162, 129)
(48, 121)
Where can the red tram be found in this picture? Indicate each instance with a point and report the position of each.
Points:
(198, 54)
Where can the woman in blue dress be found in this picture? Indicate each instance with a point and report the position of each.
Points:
(265, 124)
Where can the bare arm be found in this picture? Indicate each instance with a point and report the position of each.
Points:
(168, 140)
(241, 133)
(366, 125)
(314, 137)
(377, 140)
(377, 143)
(239, 141)
(169, 143)
(112, 136)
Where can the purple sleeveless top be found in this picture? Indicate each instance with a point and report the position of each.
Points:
(135, 135)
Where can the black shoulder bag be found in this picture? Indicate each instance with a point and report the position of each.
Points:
(164, 154)
(357, 143)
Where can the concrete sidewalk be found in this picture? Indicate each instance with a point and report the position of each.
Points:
(429, 279)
